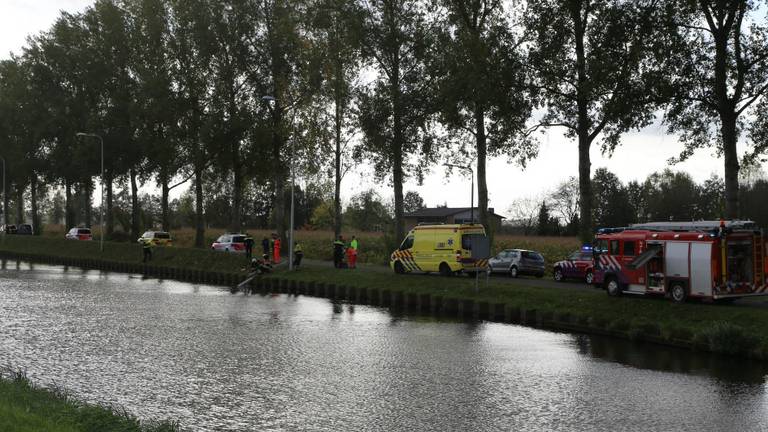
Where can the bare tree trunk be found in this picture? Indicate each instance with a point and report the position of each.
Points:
(583, 123)
(728, 119)
(482, 184)
(87, 202)
(338, 119)
(397, 150)
(731, 159)
(337, 221)
(19, 204)
(237, 189)
(110, 220)
(6, 204)
(199, 216)
(585, 191)
(164, 192)
(277, 146)
(69, 213)
(134, 205)
(37, 227)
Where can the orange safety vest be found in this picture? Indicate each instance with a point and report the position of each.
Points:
(276, 251)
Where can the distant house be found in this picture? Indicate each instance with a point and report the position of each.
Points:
(449, 215)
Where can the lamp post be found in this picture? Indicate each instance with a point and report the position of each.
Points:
(101, 140)
(268, 99)
(472, 193)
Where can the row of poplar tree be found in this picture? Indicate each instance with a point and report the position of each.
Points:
(243, 92)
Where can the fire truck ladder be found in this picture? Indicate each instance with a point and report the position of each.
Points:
(759, 259)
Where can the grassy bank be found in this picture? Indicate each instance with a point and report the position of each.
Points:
(374, 247)
(25, 407)
(735, 330)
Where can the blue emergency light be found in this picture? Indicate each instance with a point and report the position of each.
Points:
(586, 248)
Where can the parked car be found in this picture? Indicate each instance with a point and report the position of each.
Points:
(24, 229)
(8, 229)
(230, 243)
(517, 262)
(578, 265)
(79, 234)
(156, 238)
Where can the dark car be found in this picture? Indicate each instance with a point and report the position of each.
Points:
(517, 262)
(24, 229)
(8, 229)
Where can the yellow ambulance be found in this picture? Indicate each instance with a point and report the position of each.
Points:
(438, 248)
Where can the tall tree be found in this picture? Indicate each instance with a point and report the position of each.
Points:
(155, 110)
(395, 109)
(109, 31)
(482, 87)
(722, 71)
(594, 68)
(192, 48)
(290, 71)
(338, 25)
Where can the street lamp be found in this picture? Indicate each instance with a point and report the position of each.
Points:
(472, 193)
(268, 99)
(101, 140)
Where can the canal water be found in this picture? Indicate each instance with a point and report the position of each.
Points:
(229, 362)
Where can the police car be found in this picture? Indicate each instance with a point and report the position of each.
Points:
(578, 265)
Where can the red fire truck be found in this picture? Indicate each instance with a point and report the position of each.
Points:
(711, 260)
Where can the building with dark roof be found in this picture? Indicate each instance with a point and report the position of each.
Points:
(449, 215)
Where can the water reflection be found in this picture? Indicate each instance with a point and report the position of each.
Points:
(220, 361)
(669, 359)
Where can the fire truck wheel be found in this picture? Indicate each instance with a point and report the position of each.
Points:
(612, 287)
(589, 278)
(558, 275)
(445, 270)
(678, 292)
(399, 269)
(513, 272)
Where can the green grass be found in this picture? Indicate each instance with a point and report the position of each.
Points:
(175, 257)
(25, 407)
(374, 247)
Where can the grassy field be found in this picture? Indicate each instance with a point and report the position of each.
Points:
(373, 246)
(25, 407)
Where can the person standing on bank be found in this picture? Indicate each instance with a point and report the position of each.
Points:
(265, 247)
(338, 252)
(248, 248)
(276, 250)
(146, 248)
(298, 254)
(353, 255)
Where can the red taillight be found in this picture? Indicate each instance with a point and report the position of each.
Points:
(239, 246)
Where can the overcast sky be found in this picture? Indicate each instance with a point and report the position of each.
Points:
(641, 152)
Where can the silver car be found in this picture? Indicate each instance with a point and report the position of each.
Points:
(517, 262)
